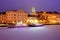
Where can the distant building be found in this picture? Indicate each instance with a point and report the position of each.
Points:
(23, 15)
(17, 16)
(32, 18)
(48, 17)
(2, 17)
(13, 16)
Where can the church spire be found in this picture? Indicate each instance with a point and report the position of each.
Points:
(33, 10)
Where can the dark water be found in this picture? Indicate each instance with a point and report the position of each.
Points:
(46, 32)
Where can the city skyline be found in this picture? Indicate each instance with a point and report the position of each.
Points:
(26, 5)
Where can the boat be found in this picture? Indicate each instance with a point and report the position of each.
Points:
(3, 25)
(35, 25)
(21, 24)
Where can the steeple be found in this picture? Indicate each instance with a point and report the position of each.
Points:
(33, 10)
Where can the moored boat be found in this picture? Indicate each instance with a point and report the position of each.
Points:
(35, 25)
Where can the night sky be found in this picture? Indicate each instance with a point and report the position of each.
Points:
(40, 5)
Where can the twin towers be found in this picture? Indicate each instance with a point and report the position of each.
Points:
(33, 11)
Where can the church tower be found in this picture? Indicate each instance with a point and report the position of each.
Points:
(33, 11)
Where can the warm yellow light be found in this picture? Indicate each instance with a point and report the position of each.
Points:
(53, 21)
(33, 21)
(36, 20)
(13, 22)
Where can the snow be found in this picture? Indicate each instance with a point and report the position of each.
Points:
(46, 32)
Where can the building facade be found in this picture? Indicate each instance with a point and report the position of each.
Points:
(48, 17)
(14, 17)
(32, 17)
(2, 17)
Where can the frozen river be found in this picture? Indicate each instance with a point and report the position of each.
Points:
(46, 32)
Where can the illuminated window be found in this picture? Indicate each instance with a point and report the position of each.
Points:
(14, 17)
(14, 14)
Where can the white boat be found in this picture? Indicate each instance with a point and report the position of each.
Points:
(21, 24)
